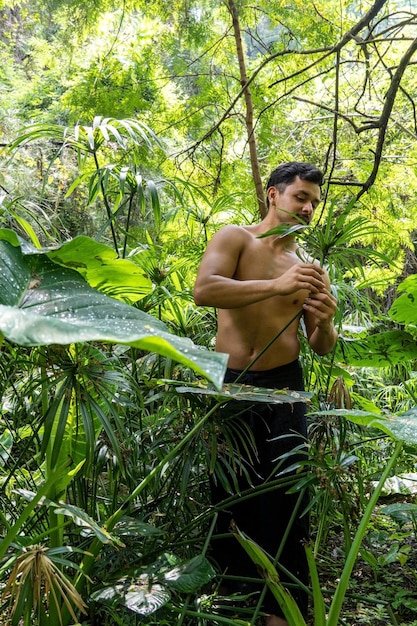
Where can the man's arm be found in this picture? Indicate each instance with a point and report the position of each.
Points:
(216, 286)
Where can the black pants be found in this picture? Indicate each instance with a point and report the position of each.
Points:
(264, 517)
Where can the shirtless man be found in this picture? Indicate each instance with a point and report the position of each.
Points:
(258, 286)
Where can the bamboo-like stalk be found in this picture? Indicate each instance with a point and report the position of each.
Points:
(341, 589)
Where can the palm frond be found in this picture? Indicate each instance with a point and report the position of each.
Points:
(35, 567)
(341, 242)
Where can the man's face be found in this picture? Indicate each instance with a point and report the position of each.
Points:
(297, 202)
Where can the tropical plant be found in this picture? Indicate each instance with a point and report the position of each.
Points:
(105, 434)
(46, 302)
(330, 616)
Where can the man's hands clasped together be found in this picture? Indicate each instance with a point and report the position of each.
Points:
(320, 302)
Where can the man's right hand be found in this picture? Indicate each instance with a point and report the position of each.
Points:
(301, 276)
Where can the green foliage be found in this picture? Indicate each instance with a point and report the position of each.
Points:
(127, 125)
(147, 591)
(44, 303)
(403, 310)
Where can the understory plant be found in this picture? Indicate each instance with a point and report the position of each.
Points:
(91, 451)
(78, 396)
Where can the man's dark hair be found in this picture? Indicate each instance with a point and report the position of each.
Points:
(286, 173)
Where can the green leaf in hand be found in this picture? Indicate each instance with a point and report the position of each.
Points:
(283, 230)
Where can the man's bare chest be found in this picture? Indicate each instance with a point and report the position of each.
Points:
(260, 262)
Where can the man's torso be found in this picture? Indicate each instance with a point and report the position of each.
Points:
(243, 332)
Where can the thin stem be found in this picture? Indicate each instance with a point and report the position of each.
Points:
(211, 617)
(106, 204)
(268, 345)
(339, 596)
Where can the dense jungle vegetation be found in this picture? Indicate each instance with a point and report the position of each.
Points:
(129, 133)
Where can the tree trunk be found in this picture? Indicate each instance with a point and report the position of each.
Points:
(249, 110)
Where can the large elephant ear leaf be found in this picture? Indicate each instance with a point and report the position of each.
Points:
(379, 350)
(102, 269)
(96, 262)
(404, 308)
(42, 303)
(142, 595)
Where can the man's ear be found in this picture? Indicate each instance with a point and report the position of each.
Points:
(272, 193)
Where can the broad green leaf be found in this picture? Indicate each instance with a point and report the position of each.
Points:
(249, 393)
(190, 576)
(102, 269)
(141, 596)
(96, 262)
(81, 518)
(404, 308)
(402, 512)
(379, 350)
(9, 235)
(42, 303)
(402, 427)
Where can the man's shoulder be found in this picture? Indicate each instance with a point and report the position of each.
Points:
(237, 228)
(235, 232)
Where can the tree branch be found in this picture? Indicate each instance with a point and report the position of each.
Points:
(351, 34)
(385, 115)
(325, 52)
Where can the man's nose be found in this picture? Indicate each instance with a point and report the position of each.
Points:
(308, 207)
